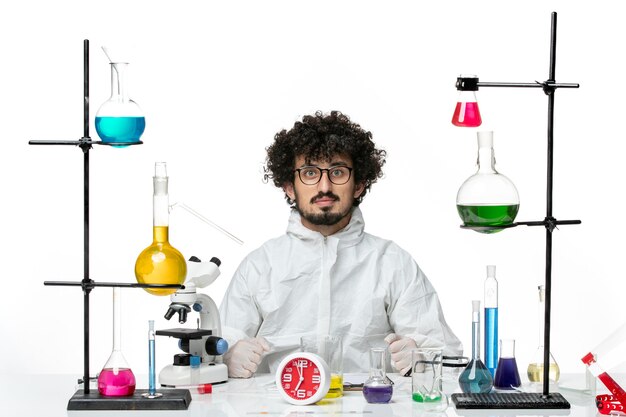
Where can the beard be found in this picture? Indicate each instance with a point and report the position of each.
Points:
(326, 217)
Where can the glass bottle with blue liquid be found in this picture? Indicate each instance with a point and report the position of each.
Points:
(491, 320)
(119, 121)
(475, 378)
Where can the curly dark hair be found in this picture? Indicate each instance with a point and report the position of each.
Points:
(320, 137)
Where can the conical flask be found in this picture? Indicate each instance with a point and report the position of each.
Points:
(466, 113)
(119, 120)
(487, 200)
(116, 379)
(160, 263)
(475, 378)
(535, 367)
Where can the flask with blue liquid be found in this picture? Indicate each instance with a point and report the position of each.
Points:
(119, 121)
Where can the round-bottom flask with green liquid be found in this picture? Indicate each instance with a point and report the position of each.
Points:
(487, 201)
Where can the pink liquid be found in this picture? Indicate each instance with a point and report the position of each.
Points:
(118, 384)
(471, 118)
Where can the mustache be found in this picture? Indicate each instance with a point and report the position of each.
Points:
(328, 194)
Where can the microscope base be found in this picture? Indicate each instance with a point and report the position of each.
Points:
(174, 376)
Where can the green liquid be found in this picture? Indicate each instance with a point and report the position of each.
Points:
(481, 216)
(427, 398)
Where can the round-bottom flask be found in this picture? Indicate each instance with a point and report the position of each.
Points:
(487, 200)
(119, 120)
(116, 379)
(377, 389)
(160, 263)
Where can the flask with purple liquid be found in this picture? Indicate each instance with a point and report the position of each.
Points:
(507, 375)
(377, 389)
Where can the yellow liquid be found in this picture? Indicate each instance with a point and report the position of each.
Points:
(336, 386)
(535, 372)
(160, 263)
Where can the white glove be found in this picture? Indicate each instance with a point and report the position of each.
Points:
(245, 356)
(400, 349)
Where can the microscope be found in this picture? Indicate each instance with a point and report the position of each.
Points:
(202, 361)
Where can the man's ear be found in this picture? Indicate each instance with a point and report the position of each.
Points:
(288, 188)
(358, 189)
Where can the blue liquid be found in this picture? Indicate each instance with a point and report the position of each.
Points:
(475, 378)
(377, 394)
(491, 339)
(120, 129)
(151, 372)
(507, 375)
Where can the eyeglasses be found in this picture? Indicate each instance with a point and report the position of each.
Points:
(338, 175)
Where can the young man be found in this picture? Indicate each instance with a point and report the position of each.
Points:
(326, 275)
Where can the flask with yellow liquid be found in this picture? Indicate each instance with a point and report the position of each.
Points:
(160, 263)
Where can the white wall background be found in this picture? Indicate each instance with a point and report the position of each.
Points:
(217, 80)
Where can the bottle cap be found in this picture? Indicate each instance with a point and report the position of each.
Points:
(475, 306)
(491, 270)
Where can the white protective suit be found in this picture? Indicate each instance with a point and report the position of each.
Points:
(351, 284)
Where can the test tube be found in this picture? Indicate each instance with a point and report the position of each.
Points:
(152, 393)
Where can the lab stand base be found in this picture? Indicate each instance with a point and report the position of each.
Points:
(515, 400)
(172, 399)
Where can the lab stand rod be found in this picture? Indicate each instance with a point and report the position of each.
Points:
(549, 193)
(86, 280)
(536, 84)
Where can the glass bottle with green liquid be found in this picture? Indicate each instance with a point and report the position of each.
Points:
(487, 201)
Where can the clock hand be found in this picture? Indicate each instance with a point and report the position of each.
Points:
(299, 368)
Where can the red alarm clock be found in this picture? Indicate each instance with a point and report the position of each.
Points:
(303, 378)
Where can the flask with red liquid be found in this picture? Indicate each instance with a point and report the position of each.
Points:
(116, 378)
(466, 112)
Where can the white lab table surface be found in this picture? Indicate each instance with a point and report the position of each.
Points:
(48, 395)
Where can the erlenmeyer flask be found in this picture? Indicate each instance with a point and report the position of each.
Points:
(535, 367)
(507, 375)
(475, 378)
(160, 263)
(119, 120)
(116, 379)
(487, 200)
(466, 112)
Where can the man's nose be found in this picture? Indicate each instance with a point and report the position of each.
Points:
(324, 184)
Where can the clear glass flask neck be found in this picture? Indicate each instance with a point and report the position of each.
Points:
(486, 162)
(160, 199)
(119, 90)
(377, 363)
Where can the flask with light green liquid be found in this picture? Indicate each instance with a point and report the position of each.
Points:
(487, 201)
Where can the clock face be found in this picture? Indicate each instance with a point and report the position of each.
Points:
(303, 378)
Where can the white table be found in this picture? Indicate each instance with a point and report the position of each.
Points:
(47, 396)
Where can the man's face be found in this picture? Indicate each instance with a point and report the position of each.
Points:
(324, 205)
